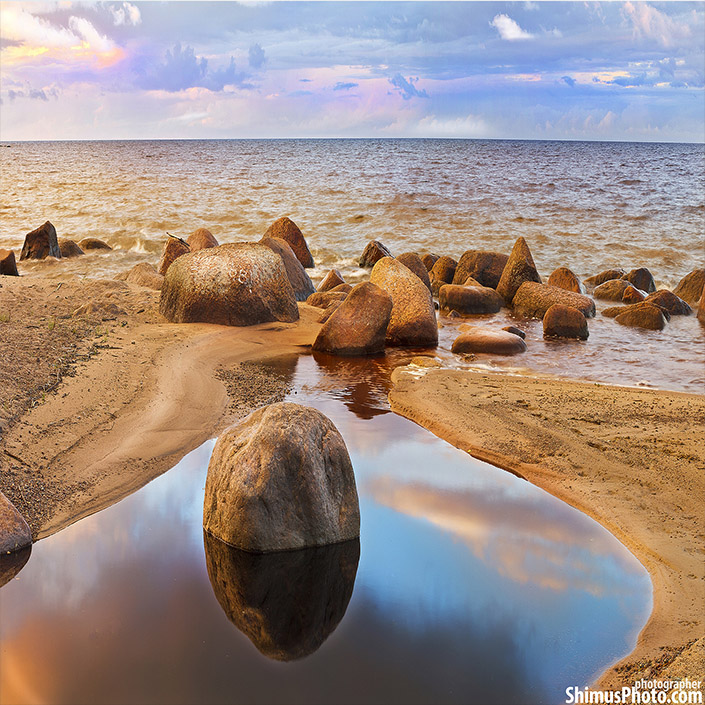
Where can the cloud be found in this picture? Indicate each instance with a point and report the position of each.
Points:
(406, 87)
(567, 79)
(340, 86)
(89, 34)
(33, 94)
(125, 14)
(256, 56)
(508, 29)
(21, 26)
(650, 23)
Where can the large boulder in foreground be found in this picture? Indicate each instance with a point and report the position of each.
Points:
(235, 285)
(643, 315)
(14, 531)
(602, 277)
(532, 300)
(280, 480)
(69, 248)
(299, 280)
(668, 300)
(286, 603)
(373, 252)
(8, 264)
(642, 279)
(413, 262)
(201, 239)
(469, 300)
(413, 320)
(565, 278)
(288, 230)
(359, 325)
(144, 274)
(562, 321)
(485, 267)
(174, 247)
(520, 268)
(41, 243)
(691, 287)
(486, 340)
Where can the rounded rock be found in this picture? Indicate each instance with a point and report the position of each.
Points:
(288, 230)
(562, 321)
(486, 340)
(413, 262)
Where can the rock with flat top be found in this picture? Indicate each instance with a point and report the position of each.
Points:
(532, 300)
(469, 300)
(691, 287)
(373, 252)
(174, 248)
(562, 321)
(41, 243)
(487, 340)
(239, 284)
(359, 325)
(483, 266)
(520, 268)
(413, 319)
(288, 230)
(281, 480)
(299, 280)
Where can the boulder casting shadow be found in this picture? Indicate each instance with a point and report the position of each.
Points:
(286, 603)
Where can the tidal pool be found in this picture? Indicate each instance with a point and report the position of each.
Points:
(468, 585)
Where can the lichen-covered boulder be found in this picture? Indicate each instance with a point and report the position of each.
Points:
(288, 230)
(642, 279)
(413, 320)
(668, 300)
(602, 277)
(331, 280)
(286, 603)
(562, 321)
(174, 248)
(691, 287)
(532, 300)
(611, 290)
(201, 239)
(14, 531)
(413, 262)
(93, 243)
(235, 284)
(643, 315)
(299, 280)
(565, 278)
(486, 340)
(469, 300)
(41, 243)
(8, 264)
(429, 259)
(359, 325)
(485, 267)
(373, 252)
(144, 274)
(280, 480)
(69, 248)
(520, 268)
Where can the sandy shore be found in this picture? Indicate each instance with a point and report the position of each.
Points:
(104, 401)
(633, 459)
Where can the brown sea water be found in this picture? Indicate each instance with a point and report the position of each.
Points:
(585, 205)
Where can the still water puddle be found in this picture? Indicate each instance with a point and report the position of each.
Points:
(468, 585)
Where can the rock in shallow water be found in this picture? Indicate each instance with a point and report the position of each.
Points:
(642, 315)
(288, 230)
(469, 299)
(642, 279)
(668, 300)
(413, 262)
(280, 480)
(562, 321)
(373, 252)
(331, 280)
(201, 239)
(533, 300)
(299, 280)
(69, 248)
(485, 267)
(691, 287)
(238, 284)
(520, 268)
(41, 243)
(564, 278)
(612, 290)
(475, 339)
(93, 243)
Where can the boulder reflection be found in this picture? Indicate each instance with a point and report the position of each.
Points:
(12, 563)
(287, 603)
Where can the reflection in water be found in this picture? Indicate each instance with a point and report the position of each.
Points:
(287, 603)
(12, 563)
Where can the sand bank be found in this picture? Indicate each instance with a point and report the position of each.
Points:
(633, 459)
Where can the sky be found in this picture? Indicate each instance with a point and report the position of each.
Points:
(524, 70)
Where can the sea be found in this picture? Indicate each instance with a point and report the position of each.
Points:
(589, 206)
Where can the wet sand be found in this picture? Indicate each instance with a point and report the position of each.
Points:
(633, 459)
(136, 394)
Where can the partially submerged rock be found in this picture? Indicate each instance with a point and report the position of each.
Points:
(373, 252)
(642, 279)
(483, 266)
(41, 243)
(174, 248)
(486, 340)
(520, 268)
(299, 280)
(235, 284)
(643, 315)
(286, 603)
(442, 272)
(93, 243)
(8, 264)
(359, 325)
(516, 331)
(15, 533)
(469, 300)
(69, 248)
(602, 277)
(632, 295)
(611, 290)
(691, 287)
(331, 280)
(413, 262)
(532, 300)
(288, 230)
(565, 278)
(201, 239)
(562, 321)
(672, 303)
(413, 320)
(614, 311)
(144, 274)
(280, 480)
